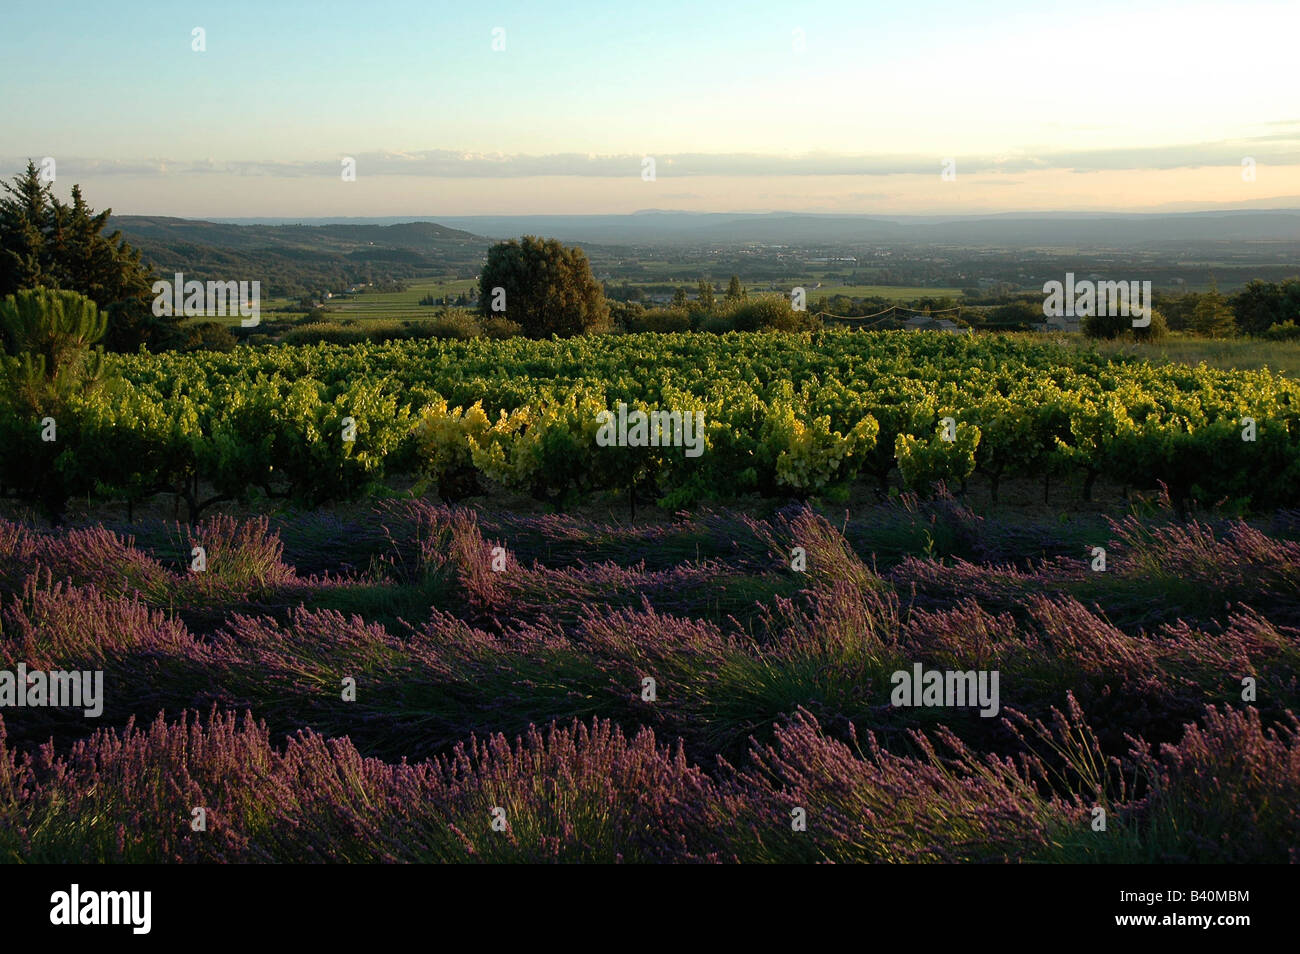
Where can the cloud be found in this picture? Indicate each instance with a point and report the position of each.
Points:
(1274, 137)
(1275, 148)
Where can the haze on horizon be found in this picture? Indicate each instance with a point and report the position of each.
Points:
(834, 106)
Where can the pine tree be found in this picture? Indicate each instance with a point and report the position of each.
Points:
(735, 290)
(23, 216)
(48, 336)
(706, 293)
(1212, 317)
(47, 243)
(679, 297)
(49, 359)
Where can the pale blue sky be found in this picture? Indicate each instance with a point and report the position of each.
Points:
(1150, 103)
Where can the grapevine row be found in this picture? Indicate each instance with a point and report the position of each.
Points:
(785, 415)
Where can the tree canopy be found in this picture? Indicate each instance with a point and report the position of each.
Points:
(1212, 318)
(49, 360)
(45, 242)
(544, 287)
(735, 290)
(1260, 305)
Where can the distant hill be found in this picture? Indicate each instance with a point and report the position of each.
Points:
(299, 259)
(309, 258)
(1015, 229)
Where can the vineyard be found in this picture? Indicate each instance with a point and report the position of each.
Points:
(700, 434)
(416, 679)
(785, 416)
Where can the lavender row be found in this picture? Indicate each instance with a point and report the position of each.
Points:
(220, 790)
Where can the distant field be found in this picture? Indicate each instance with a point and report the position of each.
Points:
(892, 292)
(816, 290)
(372, 304)
(399, 304)
(1242, 354)
(406, 305)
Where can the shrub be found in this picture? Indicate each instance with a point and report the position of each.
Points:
(458, 325)
(1015, 316)
(1156, 331)
(623, 314)
(443, 438)
(325, 332)
(662, 320)
(715, 324)
(501, 328)
(208, 336)
(1106, 327)
(769, 313)
(1283, 331)
(1111, 327)
(381, 331)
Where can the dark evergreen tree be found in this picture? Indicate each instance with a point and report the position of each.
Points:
(1212, 317)
(24, 214)
(1261, 305)
(47, 243)
(49, 359)
(706, 294)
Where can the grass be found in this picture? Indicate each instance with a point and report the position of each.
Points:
(1242, 354)
(374, 304)
(404, 304)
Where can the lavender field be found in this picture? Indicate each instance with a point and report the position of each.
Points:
(414, 682)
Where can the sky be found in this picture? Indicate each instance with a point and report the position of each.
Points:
(517, 108)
